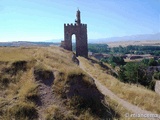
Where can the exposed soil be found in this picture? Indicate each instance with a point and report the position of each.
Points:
(46, 99)
(89, 97)
(46, 96)
(157, 87)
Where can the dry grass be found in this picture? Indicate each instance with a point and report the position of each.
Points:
(140, 96)
(53, 112)
(120, 110)
(131, 42)
(28, 87)
(22, 110)
(22, 87)
(20, 93)
(15, 54)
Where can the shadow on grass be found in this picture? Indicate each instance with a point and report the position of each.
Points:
(85, 96)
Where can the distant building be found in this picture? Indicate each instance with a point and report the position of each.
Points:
(98, 56)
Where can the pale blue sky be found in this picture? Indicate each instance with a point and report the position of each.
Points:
(37, 20)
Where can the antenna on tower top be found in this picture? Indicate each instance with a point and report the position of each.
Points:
(78, 20)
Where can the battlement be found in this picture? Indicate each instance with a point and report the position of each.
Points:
(69, 25)
(84, 25)
(74, 25)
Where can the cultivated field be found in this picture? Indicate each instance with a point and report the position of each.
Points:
(140, 43)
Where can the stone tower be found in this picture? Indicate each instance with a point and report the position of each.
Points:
(80, 31)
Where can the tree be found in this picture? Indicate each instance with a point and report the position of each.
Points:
(159, 61)
(145, 61)
(143, 77)
(157, 75)
(137, 73)
(121, 74)
(117, 60)
(98, 48)
(152, 62)
(131, 72)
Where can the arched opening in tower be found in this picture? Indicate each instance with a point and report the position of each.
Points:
(74, 43)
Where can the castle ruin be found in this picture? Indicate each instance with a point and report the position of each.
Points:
(80, 32)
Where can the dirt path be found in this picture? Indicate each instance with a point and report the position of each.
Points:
(130, 107)
(157, 87)
(46, 97)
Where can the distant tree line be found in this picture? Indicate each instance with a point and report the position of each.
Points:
(153, 50)
(114, 60)
(131, 49)
(98, 48)
(95, 48)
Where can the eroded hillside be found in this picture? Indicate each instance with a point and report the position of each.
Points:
(44, 83)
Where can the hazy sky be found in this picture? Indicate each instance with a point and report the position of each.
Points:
(36, 20)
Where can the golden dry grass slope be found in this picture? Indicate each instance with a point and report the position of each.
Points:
(139, 96)
(25, 76)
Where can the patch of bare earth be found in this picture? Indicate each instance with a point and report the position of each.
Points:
(157, 87)
(47, 97)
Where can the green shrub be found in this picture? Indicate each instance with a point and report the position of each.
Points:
(156, 75)
(152, 85)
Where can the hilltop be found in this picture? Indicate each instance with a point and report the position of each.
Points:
(44, 83)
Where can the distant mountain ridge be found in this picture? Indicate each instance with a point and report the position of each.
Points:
(127, 38)
(141, 37)
(27, 43)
